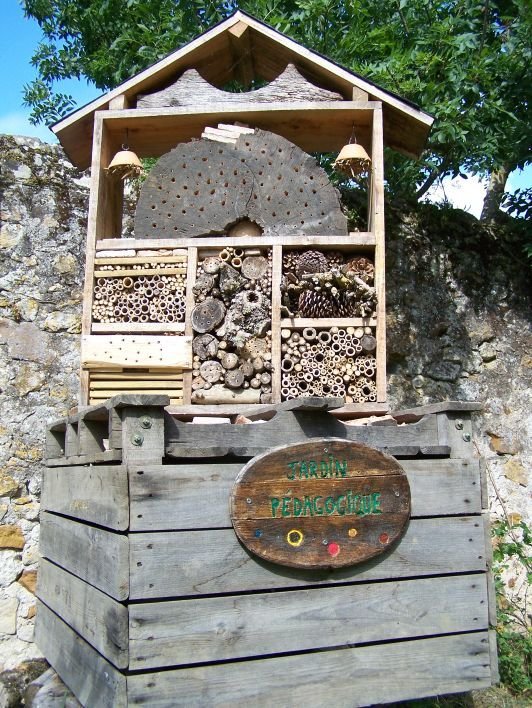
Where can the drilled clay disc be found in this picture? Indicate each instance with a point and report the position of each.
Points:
(204, 187)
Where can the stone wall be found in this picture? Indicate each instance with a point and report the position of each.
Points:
(42, 232)
(457, 329)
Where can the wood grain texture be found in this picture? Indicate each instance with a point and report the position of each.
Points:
(343, 678)
(100, 620)
(265, 178)
(191, 89)
(288, 427)
(167, 498)
(181, 632)
(136, 351)
(99, 557)
(97, 494)
(322, 503)
(94, 681)
(175, 564)
(354, 240)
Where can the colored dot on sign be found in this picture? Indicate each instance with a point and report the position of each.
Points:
(352, 533)
(258, 533)
(294, 538)
(333, 549)
(384, 538)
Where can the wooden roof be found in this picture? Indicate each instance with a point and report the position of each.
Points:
(242, 48)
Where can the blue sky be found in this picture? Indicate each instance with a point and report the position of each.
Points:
(15, 57)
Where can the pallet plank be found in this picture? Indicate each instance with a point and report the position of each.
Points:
(167, 497)
(131, 351)
(94, 681)
(287, 427)
(342, 678)
(97, 556)
(100, 620)
(95, 494)
(175, 564)
(181, 632)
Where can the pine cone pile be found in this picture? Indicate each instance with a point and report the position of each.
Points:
(311, 262)
(362, 267)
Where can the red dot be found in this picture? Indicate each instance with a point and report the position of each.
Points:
(384, 538)
(333, 549)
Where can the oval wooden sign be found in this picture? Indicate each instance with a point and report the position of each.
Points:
(324, 503)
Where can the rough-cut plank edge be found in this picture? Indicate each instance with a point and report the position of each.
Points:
(494, 657)
(96, 457)
(438, 488)
(354, 676)
(191, 89)
(187, 563)
(259, 410)
(185, 631)
(411, 415)
(100, 620)
(93, 680)
(95, 555)
(354, 240)
(76, 491)
(490, 580)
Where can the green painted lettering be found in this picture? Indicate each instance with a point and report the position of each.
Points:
(356, 505)
(366, 504)
(341, 467)
(292, 473)
(307, 506)
(341, 509)
(285, 509)
(318, 510)
(312, 469)
(329, 505)
(298, 506)
(303, 472)
(324, 468)
(376, 502)
(275, 505)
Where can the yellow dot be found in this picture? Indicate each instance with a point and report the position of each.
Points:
(294, 537)
(352, 533)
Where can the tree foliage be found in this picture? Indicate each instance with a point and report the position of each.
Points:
(465, 61)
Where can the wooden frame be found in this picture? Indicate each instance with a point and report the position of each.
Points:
(154, 132)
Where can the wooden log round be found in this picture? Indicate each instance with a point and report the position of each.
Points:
(205, 346)
(211, 371)
(207, 315)
(254, 267)
(234, 378)
(262, 177)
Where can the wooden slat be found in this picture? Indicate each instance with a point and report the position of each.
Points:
(168, 497)
(344, 678)
(286, 427)
(130, 351)
(137, 327)
(139, 260)
(97, 457)
(137, 384)
(99, 557)
(100, 620)
(122, 272)
(181, 632)
(94, 681)
(175, 564)
(277, 269)
(114, 375)
(301, 322)
(109, 392)
(192, 267)
(95, 494)
(353, 241)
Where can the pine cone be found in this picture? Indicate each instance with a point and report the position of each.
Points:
(311, 262)
(362, 267)
(316, 304)
(334, 259)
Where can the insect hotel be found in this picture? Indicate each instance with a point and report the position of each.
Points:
(216, 529)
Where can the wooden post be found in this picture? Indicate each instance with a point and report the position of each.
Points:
(376, 220)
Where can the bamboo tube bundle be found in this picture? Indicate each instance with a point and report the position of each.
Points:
(321, 362)
(150, 298)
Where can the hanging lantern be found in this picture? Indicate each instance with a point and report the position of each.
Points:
(353, 160)
(125, 164)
